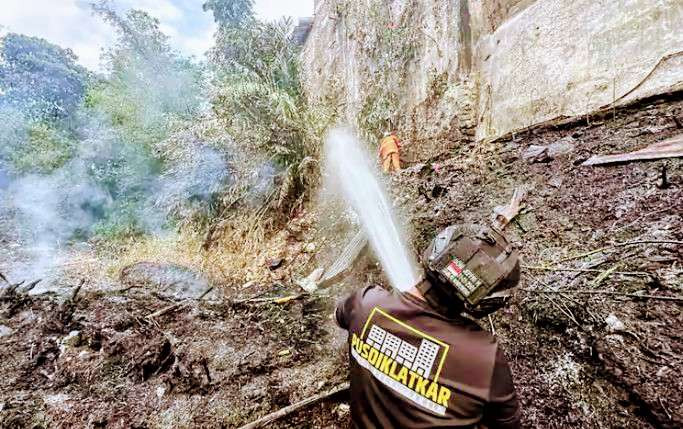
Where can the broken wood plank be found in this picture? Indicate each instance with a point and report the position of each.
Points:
(270, 418)
(345, 260)
(503, 215)
(670, 148)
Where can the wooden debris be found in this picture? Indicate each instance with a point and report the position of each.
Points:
(275, 300)
(206, 292)
(178, 305)
(345, 260)
(168, 309)
(270, 418)
(503, 215)
(670, 148)
(126, 289)
(76, 290)
(28, 288)
(603, 275)
(11, 289)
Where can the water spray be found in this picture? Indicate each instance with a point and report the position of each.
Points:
(351, 169)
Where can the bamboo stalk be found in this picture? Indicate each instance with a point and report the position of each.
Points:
(627, 243)
(608, 292)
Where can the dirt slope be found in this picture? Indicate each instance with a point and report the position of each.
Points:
(572, 368)
(579, 360)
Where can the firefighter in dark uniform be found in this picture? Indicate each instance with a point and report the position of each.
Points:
(418, 359)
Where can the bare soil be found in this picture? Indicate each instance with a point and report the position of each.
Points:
(579, 360)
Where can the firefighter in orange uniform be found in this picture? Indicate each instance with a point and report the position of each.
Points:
(389, 153)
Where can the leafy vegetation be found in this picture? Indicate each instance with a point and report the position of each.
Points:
(94, 140)
(390, 46)
(158, 140)
(45, 149)
(39, 78)
(259, 96)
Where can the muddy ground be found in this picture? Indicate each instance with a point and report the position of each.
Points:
(581, 360)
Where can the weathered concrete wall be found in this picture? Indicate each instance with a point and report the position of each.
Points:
(448, 67)
(386, 60)
(559, 58)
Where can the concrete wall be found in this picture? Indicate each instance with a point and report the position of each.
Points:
(560, 58)
(491, 66)
(345, 60)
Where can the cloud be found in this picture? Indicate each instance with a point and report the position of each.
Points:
(65, 23)
(70, 24)
(275, 9)
(164, 10)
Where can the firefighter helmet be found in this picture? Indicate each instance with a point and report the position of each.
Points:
(470, 268)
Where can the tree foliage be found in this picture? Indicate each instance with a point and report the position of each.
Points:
(231, 13)
(38, 78)
(149, 85)
(260, 96)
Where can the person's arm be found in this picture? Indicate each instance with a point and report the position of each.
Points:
(342, 314)
(502, 410)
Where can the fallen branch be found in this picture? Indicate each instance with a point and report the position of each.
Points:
(28, 288)
(584, 270)
(603, 275)
(177, 305)
(206, 292)
(126, 289)
(607, 292)
(11, 289)
(77, 289)
(627, 243)
(276, 300)
(168, 309)
(263, 421)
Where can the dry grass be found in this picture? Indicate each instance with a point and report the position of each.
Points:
(178, 248)
(239, 254)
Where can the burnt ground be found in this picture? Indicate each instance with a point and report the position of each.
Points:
(579, 359)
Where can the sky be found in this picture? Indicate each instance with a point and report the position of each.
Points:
(70, 24)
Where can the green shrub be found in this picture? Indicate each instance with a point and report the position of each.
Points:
(44, 149)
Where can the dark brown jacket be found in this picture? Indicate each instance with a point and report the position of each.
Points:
(412, 367)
